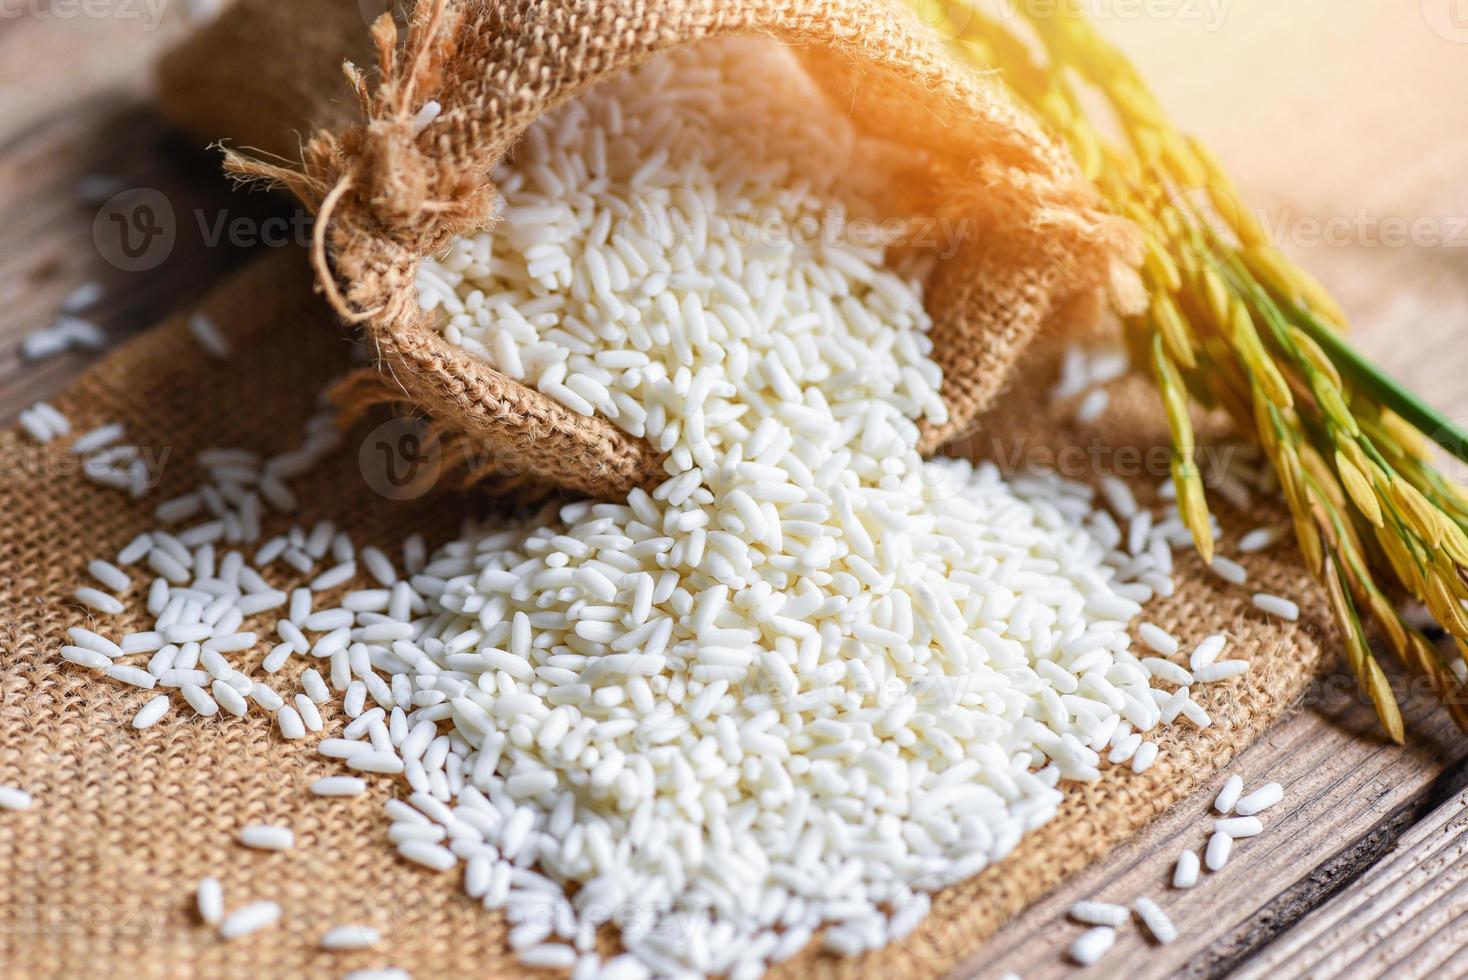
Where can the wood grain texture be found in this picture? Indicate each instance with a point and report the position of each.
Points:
(1404, 918)
(75, 128)
(1345, 125)
(1348, 796)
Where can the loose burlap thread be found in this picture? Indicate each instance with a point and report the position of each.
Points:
(97, 880)
(1035, 237)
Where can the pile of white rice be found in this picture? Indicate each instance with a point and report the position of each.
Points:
(805, 682)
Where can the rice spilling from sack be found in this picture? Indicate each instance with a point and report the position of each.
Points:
(811, 676)
(806, 681)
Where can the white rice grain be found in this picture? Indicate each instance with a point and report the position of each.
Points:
(94, 641)
(1238, 827)
(310, 716)
(98, 438)
(149, 714)
(208, 336)
(250, 919)
(1229, 794)
(1093, 913)
(267, 837)
(1276, 606)
(230, 699)
(290, 724)
(98, 600)
(1216, 856)
(1145, 755)
(1156, 920)
(56, 423)
(14, 798)
(1207, 651)
(1092, 944)
(425, 116)
(1220, 670)
(199, 699)
(1259, 539)
(1158, 639)
(209, 900)
(429, 855)
(1185, 874)
(1093, 406)
(350, 937)
(109, 575)
(339, 786)
(1229, 570)
(83, 657)
(129, 674)
(1260, 799)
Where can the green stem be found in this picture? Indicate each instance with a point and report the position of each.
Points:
(1376, 383)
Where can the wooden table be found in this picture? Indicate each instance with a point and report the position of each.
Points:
(1345, 123)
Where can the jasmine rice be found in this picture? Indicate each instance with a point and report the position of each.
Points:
(805, 615)
(804, 682)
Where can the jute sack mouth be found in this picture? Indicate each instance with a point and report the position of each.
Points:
(387, 192)
(98, 879)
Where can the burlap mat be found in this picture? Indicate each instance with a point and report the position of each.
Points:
(1026, 233)
(98, 878)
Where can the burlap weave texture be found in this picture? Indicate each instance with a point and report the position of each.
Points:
(97, 880)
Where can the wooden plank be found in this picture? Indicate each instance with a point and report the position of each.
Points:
(1404, 918)
(85, 119)
(1348, 796)
(1314, 137)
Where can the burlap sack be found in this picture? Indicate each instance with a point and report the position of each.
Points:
(1034, 236)
(97, 879)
